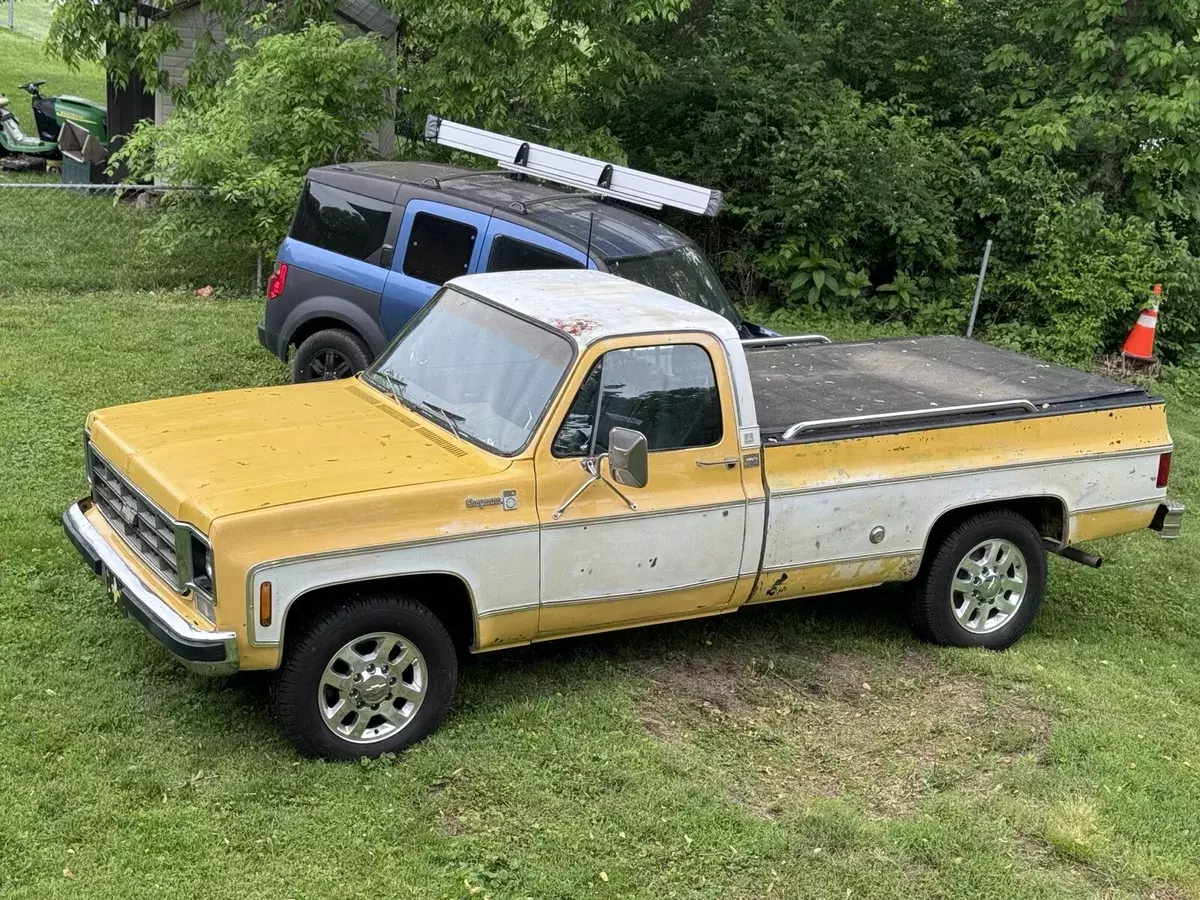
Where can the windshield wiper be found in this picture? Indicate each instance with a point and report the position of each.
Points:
(396, 386)
(447, 416)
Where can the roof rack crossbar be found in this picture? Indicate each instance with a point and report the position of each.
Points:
(522, 206)
(437, 181)
(574, 170)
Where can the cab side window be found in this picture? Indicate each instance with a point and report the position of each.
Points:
(438, 249)
(511, 255)
(668, 393)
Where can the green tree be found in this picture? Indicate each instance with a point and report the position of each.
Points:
(1111, 91)
(292, 101)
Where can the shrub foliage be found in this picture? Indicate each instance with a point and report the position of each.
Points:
(868, 148)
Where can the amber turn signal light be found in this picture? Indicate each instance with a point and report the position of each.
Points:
(264, 604)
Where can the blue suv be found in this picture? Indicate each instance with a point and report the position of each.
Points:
(371, 242)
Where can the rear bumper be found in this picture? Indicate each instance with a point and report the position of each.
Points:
(1169, 519)
(210, 652)
(269, 340)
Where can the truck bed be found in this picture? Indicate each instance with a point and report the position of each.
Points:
(833, 384)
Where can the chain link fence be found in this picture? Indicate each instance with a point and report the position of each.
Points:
(65, 237)
(29, 17)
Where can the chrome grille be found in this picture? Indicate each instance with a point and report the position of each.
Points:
(145, 528)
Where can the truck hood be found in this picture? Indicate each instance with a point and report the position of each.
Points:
(204, 456)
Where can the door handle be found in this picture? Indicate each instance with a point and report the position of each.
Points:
(728, 462)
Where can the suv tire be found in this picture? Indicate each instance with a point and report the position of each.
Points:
(366, 677)
(984, 584)
(328, 355)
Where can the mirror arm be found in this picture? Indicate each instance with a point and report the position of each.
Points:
(592, 465)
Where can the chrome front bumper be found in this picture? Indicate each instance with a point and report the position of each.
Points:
(1169, 519)
(210, 652)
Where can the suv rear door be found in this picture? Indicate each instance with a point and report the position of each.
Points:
(436, 243)
(510, 247)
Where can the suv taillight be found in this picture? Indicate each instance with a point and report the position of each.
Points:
(277, 282)
(1164, 470)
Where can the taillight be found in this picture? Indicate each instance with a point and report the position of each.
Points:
(1164, 470)
(277, 282)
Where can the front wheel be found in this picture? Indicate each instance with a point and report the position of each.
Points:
(365, 678)
(983, 585)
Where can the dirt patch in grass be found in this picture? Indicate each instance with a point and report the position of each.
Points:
(883, 732)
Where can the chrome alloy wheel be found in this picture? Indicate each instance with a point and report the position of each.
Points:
(989, 585)
(372, 687)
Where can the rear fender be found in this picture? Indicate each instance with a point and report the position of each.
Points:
(334, 308)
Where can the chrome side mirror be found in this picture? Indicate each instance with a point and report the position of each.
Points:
(627, 457)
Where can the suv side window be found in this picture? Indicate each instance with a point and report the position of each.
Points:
(512, 255)
(669, 393)
(341, 222)
(438, 249)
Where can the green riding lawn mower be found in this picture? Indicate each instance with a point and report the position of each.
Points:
(24, 152)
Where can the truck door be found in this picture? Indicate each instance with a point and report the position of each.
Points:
(436, 242)
(510, 247)
(678, 554)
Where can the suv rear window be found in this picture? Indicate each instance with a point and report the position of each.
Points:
(512, 255)
(342, 222)
(438, 249)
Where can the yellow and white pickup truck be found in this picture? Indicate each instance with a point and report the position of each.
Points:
(545, 454)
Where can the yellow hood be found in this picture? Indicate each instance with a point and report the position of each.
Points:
(209, 455)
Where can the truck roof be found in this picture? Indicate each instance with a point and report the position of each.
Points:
(589, 306)
(612, 231)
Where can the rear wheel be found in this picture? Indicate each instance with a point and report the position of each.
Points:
(368, 677)
(329, 355)
(984, 583)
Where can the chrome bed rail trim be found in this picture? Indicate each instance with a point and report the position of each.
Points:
(931, 412)
(782, 340)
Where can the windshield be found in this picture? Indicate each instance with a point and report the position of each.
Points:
(478, 371)
(683, 272)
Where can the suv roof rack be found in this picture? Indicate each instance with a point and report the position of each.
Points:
(591, 175)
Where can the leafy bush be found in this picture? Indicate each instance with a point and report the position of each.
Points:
(868, 148)
(292, 101)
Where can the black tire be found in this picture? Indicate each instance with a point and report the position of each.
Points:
(329, 355)
(934, 602)
(299, 694)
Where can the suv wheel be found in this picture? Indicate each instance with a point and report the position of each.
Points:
(368, 677)
(328, 355)
(984, 584)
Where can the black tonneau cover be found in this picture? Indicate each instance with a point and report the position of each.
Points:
(806, 382)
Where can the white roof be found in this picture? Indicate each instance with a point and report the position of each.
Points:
(589, 306)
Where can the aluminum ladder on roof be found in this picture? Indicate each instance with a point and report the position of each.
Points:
(573, 170)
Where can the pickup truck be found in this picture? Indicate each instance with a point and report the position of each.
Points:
(605, 456)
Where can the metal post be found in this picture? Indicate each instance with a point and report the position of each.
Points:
(987, 251)
(12, 15)
(258, 275)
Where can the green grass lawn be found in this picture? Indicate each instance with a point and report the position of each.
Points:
(812, 749)
(31, 17)
(56, 239)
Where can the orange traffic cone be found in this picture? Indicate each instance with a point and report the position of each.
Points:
(1140, 343)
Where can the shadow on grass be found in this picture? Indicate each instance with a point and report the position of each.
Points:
(491, 684)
